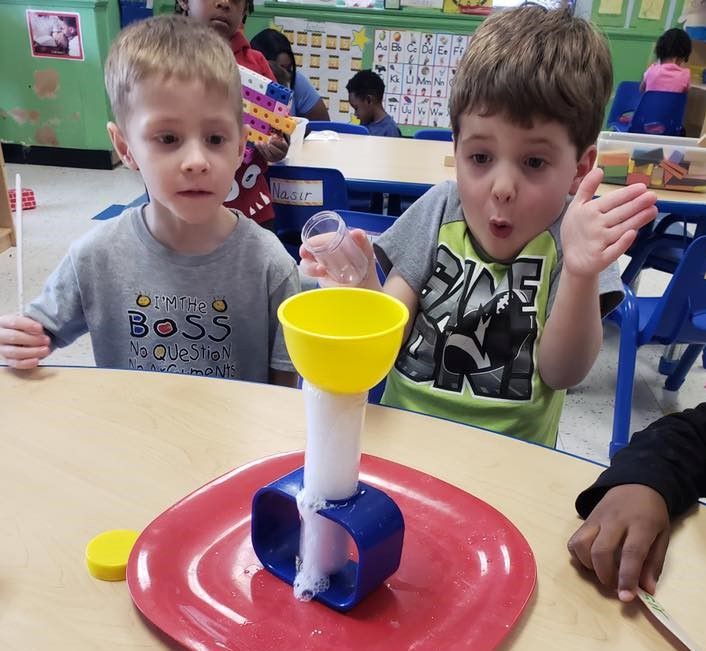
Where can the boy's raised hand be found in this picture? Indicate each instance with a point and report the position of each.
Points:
(23, 342)
(596, 232)
(312, 268)
(627, 532)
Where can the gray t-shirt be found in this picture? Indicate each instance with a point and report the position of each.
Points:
(147, 307)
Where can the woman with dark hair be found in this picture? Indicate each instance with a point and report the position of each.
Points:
(277, 49)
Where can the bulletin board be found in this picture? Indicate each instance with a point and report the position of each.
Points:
(329, 54)
(417, 67)
(645, 16)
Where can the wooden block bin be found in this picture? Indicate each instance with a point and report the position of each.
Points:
(660, 162)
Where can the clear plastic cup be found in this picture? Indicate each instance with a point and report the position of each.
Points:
(326, 236)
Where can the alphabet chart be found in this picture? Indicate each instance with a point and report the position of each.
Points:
(418, 69)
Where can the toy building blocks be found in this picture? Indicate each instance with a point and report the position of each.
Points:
(265, 106)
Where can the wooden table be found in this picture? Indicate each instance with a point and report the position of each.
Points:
(84, 450)
(377, 164)
(374, 163)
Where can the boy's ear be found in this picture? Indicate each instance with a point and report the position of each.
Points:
(242, 143)
(120, 145)
(583, 166)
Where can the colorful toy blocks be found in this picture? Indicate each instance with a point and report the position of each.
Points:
(265, 106)
(673, 165)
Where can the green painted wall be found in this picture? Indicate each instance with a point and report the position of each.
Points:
(75, 114)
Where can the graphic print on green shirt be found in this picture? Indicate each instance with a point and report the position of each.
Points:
(471, 354)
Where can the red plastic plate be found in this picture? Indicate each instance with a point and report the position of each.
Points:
(465, 577)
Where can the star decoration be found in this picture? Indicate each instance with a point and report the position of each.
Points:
(360, 38)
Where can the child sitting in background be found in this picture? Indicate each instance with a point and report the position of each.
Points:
(277, 49)
(181, 284)
(504, 278)
(365, 92)
(250, 192)
(673, 49)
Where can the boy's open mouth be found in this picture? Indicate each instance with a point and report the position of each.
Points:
(499, 228)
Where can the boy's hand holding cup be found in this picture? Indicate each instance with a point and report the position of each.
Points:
(335, 255)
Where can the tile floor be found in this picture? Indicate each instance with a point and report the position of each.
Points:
(69, 198)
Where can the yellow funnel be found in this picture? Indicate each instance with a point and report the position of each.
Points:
(343, 339)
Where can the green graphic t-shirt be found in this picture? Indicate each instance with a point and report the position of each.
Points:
(471, 355)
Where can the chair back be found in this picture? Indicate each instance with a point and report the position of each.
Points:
(680, 314)
(300, 192)
(627, 97)
(434, 134)
(660, 113)
(338, 127)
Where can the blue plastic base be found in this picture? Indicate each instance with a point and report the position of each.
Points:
(371, 518)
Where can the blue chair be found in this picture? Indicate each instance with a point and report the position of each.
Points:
(659, 112)
(678, 316)
(298, 193)
(627, 97)
(662, 249)
(434, 134)
(338, 127)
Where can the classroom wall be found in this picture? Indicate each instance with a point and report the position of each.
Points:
(55, 100)
(59, 101)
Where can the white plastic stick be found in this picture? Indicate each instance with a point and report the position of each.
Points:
(18, 245)
(666, 620)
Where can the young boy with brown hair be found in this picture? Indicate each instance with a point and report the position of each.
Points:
(505, 277)
(180, 284)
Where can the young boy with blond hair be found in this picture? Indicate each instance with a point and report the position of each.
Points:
(180, 284)
(505, 277)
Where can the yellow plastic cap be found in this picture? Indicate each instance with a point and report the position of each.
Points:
(107, 554)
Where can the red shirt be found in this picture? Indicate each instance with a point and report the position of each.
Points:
(253, 194)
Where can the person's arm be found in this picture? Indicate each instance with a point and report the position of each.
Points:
(54, 319)
(318, 112)
(285, 284)
(594, 233)
(23, 341)
(659, 475)
(669, 456)
(307, 101)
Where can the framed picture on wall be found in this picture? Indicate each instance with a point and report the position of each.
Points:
(55, 34)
